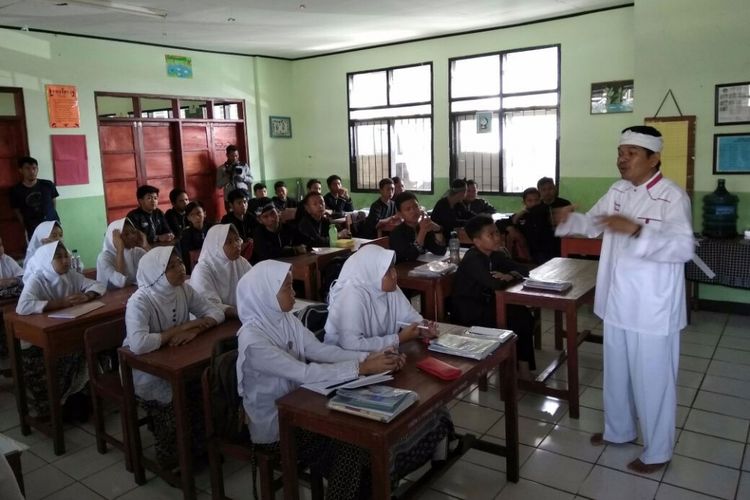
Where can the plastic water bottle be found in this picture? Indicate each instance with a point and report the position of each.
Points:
(454, 248)
(333, 235)
(75, 261)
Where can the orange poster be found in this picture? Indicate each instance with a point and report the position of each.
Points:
(62, 105)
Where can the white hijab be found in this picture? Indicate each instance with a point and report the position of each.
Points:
(130, 255)
(42, 231)
(363, 270)
(215, 276)
(44, 256)
(151, 275)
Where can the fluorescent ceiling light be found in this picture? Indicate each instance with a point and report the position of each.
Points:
(119, 7)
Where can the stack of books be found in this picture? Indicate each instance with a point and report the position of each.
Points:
(467, 346)
(377, 402)
(547, 285)
(328, 386)
(433, 269)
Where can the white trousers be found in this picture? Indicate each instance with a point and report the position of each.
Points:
(640, 379)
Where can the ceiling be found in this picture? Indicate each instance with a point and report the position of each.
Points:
(283, 28)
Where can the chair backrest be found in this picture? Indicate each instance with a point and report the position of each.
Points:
(100, 338)
(222, 404)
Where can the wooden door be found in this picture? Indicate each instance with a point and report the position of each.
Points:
(13, 146)
(118, 145)
(158, 158)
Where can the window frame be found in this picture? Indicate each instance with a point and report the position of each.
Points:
(351, 123)
(452, 131)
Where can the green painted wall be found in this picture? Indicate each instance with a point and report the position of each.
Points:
(84, 224)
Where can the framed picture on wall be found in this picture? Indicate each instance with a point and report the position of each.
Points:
(612, 97)
(280, 126)
(732, 104)
(732, 153)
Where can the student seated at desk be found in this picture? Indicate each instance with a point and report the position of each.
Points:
(486, 267)
(149, 219)
(382, 215)
(158, 314)
(10, 275)
(449, 211)
(417, 234)
(277, 354)
(337, 198)
(312, 225)
(176, 216)
(282, 200)
(45, 232)
(193, 235)
(474, 205)
(54, 285)
(272, 239)
(122, 248)
(220, 268)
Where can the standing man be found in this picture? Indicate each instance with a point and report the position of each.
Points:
(233, 174)
(32, 199)
(540, 228)
(640, 295)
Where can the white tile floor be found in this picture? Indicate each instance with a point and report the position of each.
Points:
(712, 454)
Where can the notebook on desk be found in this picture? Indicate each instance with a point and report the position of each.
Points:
(76, 311)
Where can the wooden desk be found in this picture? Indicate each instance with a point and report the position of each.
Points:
(307, 410)
(56, 337)
(578, 245)
(177, 365)
(434, 291)
(306, 268)
(582, 273)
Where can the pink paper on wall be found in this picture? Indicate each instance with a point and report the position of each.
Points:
(70, 160)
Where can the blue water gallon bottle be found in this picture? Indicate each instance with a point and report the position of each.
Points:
(720, 213)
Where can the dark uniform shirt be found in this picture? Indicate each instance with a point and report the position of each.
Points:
(152, 224)
(176, 221)
(338, 205)
(245, 226)
(478, 206)
(35, 203)
(378, 212)
(449, 218)
(270, 245)
(191, 241)
(540, 233)
(282, 205)
(312, 233)
(403, 241)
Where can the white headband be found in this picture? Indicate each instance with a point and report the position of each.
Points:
(650, 142)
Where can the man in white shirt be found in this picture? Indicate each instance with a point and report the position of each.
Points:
(640, 295)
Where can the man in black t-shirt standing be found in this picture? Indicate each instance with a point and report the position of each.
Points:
(32, 199)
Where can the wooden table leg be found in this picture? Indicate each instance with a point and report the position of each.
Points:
(183, 431)
(55, 409)
(509, 385)
(430, 308)
(558, 331)
(502, 322)
(131, 421)
(288, 457)
(14, 353)
(571, 324)
(381, 478)
(439, 302)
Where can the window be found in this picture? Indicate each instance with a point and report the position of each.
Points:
(504, 118)
(390, 127)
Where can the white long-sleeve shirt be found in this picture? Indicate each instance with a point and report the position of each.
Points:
(640, 285)
(39, 290)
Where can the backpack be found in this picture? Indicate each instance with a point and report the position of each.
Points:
(314, 318)
(330, 273)
(227, 412)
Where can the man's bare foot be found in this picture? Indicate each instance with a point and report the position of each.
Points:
(597, 439)
(638, 466)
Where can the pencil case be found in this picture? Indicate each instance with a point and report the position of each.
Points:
(439, 369)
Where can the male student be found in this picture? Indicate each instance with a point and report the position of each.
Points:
(449, 212)
(417, 234)
(271, 238)
(176, 217)
(640, 295)
(314, 186)
(398, 185)
(148, 219)
(239, 216)
(540, 230)
(260, 192)
(382, 215)
(337, 198)
(232, 174)
(282, 201)
(33, 199)
(474, 205)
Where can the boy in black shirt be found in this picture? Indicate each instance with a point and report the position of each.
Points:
(148, 219)
(261, 195)
(449, 211)
(176, 218)
(282, 201)
(474, 205)
(32, 199)
(337, 198)
(382, 216)
(239, 216)
(271, 238)
(486, 267)
(540, 231)
(417, 234)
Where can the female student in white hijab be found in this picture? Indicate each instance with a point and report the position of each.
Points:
(158, 314)
(46, 232)
(366, 309)
(220, 267)
(54, 286)
(122, 248)
(277, 354)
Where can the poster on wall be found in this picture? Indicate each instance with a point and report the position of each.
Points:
(62, 106)
(70, 160)
(732, 153)
(179, 66)
(484, 122)
(732, 104)
(612, 97)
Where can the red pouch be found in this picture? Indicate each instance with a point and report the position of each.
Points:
(440, 369)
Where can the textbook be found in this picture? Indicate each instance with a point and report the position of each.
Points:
(433, 269)
(377, 402)
(75, 311)
(466, 346)
(328, 386)
(547, 285)
(490, 333)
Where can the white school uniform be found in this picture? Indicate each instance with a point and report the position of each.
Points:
(42, 231)
(9, 268)
(105, 262)
(215, 276)
(640, 295)
(361, 316)
(155, 307)
(46, 284)
(276, 353)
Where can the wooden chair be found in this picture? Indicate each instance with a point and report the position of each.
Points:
(104, 382)
(226, 432)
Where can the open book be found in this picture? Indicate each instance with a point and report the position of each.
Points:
(75, 311)
(547, 285)
(328, 386)
(466, 346)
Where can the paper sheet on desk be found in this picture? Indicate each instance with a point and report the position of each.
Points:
(328, 386)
